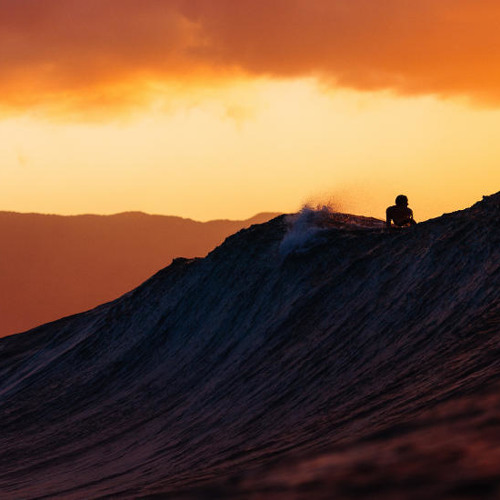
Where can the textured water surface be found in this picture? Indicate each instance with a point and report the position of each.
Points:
(314, 356)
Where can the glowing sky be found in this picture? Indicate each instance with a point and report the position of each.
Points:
(224, 108)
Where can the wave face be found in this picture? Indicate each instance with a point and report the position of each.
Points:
(314, 356)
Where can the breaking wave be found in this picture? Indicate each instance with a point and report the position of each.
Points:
(309, 223)
(314, 356)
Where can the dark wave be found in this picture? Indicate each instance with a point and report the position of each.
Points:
(308, 357)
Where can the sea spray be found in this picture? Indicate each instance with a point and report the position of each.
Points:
(303, 228)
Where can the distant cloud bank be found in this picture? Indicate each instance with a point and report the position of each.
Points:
(115, 53)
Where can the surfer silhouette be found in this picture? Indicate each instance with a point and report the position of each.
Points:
(400, 213)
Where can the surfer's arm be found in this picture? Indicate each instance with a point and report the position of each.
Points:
(388, 218)
(413, 222)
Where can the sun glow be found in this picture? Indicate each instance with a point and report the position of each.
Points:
(223, 109)
(253, 146)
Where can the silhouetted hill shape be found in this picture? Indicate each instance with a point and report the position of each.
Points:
(313, 356)
(52, 266)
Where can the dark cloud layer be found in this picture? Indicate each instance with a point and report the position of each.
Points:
(108, 51)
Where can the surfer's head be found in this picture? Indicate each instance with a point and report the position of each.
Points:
(401, 200)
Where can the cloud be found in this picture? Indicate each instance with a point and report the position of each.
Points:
(77, 54)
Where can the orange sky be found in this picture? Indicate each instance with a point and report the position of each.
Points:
(223, 108)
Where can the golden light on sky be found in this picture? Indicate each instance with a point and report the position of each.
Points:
(210, 109)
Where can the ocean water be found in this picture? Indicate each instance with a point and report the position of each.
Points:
(314, 356)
